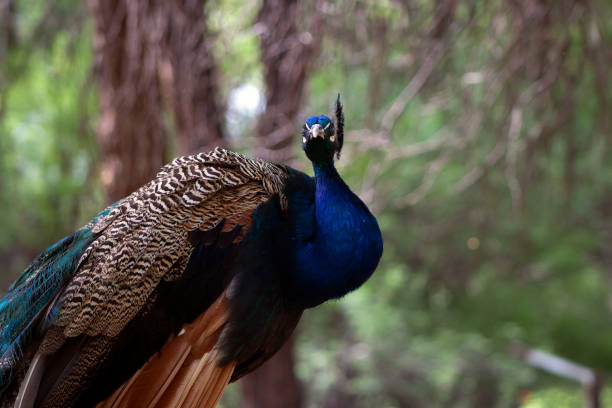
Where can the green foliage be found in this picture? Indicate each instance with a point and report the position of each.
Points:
(561, 397)
(47, 169)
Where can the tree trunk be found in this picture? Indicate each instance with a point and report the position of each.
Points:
(152, 56)
(189, 75)
(130, 133)
(273, 384)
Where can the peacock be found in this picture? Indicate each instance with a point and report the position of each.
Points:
(187, 284)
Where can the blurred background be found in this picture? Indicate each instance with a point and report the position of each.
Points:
(479, 133)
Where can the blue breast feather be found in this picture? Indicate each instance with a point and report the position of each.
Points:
(346, 243)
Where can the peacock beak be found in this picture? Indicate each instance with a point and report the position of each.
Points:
(317, 131)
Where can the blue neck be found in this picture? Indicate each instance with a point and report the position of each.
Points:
(347, 244)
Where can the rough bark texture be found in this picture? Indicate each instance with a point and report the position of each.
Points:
(189, 75)
(151, 57)
(288, 51)
(130, 133)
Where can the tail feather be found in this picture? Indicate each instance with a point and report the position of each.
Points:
(29, 387)
(185, 373)
(30, 296)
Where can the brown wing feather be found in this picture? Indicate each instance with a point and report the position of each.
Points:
(185, 373)
(144, 237)
(144, 240)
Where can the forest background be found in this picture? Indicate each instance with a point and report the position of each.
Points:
(479, 133)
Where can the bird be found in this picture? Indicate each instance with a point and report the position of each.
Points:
(187, 284)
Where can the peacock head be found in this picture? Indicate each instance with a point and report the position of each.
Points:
(321, 139)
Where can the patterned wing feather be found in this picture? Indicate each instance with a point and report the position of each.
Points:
(144, 238)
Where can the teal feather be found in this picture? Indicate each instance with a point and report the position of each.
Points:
(29, 295)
